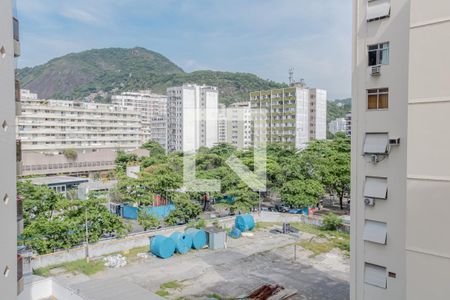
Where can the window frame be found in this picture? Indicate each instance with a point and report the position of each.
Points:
(378, 92)
(380, 47)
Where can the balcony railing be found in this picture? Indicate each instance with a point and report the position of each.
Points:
(16, 37)
(19, 209)
(19, 274)
(16, 29)
(18, 151)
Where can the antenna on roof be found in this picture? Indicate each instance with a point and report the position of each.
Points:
(291, 76)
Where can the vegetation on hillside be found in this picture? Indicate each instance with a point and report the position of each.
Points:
(101, 72)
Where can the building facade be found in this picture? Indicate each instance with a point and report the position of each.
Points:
(222, 124)
(400, 162)
(239, 125)
(153, 112)
(317, 114)
(294, 115)
(70, 137)
(337, 125)
(11, 220)
(193, 114)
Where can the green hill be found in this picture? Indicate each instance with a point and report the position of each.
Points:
(103, 72)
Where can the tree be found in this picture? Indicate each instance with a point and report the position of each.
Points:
(185, 210)
(302, 193)
(147, 220)
(154, 148)
(70, 154)
(123, 159)
(53, 222)
(135, 190)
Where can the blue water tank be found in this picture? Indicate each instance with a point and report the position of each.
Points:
(235, 233)
(162, 246)
(244, 222)
(183, 242)
(198, 237)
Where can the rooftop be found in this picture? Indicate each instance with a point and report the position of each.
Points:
(53, 180)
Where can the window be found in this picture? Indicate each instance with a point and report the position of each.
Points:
(378, 98)
(376, 143)
(375, 275)
(377, 10)
(375, 232)
(376, 187)
(379, 54)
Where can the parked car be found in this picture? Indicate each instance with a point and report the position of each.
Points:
(281, 208)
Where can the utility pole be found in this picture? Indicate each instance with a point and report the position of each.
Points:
(86, 234)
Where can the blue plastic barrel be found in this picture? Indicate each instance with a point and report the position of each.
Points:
(183, 242)
(235, 233)
(162, 246)
(198, 237)
(244, 222)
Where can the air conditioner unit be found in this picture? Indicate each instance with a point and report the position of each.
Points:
(375, 71)
(369, 201)
(394, 142)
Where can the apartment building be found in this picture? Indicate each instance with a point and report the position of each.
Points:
(317, 114)
(348, 120)
(192, 117)
(50, 129)
(153, 112)
(222, 124)
(294, 115)
(400, 150)
(337, 125)
(239, 125)
(11, 220)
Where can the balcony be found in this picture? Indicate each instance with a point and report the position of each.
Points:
(16, 37)
(18, 105)
(19, 274)
(19, 209)
(18, 157)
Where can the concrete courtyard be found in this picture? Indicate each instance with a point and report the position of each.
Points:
(247, 263)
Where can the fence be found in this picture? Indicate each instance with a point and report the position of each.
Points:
(134, 240)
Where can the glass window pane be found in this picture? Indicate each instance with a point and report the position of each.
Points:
(383, 101)
(384, 57)
(372, 58)
(372, 102)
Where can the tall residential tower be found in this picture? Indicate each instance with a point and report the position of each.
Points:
(11, 223)
(192, 117)
(294, 115)
(400, 150)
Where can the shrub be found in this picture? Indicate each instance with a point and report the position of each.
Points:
(70, 154)
(331, 222)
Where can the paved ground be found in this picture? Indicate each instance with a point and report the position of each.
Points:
(246, 264)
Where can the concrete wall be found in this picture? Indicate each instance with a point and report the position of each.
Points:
(109, 246)
(38, 288)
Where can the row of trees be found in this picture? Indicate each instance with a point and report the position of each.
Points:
(297, 178)
(53, 222)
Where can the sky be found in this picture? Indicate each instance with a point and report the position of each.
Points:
(264, 37)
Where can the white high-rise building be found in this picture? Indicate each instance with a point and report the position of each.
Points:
(337, 125)
(153, 112)
(400, 246)
(11, 223)
(294, 115)
(317, 114)
(222, 125)
(192, 117)
(239, 125)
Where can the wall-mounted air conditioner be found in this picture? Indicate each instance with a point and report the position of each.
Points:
(375, 70)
